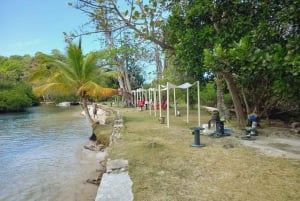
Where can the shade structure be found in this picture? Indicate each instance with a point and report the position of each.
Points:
(152, 100)
(182, 86)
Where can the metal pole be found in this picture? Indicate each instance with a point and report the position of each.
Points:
(155, 102)
(198, 92)
(175, 108)
(187, 105)
(168, 106)
(159, 97)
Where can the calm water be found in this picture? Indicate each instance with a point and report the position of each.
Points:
(39, 154)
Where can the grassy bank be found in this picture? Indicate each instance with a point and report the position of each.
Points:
(164, 167)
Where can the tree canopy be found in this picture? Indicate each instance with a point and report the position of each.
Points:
(252, 45)
(76, 73)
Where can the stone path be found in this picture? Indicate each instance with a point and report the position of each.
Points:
(115, 183)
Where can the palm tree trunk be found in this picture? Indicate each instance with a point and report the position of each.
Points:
(86, 110)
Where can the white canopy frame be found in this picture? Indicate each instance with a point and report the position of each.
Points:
(183, 86)
(139, 94)
(152, 99)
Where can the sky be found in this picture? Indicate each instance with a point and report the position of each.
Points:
(30, 26)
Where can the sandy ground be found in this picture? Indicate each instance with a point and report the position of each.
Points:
(91, 162)
(275, 141)
(272, 141)
(88, 160)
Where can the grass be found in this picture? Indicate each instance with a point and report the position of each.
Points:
(163, 166)
(103, 133)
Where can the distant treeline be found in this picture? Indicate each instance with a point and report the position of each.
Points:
(15, 97)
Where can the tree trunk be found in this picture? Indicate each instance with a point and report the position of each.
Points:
(86, 110)
(122, 69)
(245, 102)
(222, 108)
(235, 98)
(158, 63)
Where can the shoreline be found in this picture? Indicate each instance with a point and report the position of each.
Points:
(94, 154)
(87, 158)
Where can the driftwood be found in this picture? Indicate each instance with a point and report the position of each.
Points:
(209, 109)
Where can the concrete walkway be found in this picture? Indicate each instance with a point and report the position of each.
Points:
(115, 183)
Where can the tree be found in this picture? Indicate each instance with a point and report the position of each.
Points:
(132, 20)
(246, 43)
(14, 68)
(15, 97)
(77, 74)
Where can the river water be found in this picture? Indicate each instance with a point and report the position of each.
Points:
(41, 155)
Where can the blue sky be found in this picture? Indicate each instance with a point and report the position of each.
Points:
(29, 26)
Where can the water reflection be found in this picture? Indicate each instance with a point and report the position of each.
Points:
(38, 157)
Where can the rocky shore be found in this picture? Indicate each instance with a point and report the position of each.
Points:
(108, 168)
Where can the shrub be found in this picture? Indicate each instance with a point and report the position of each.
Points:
(15, 98)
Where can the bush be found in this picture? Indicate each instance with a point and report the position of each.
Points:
(15, 98)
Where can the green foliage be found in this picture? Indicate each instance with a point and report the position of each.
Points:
(63, 98)
(208, 95)
(15, 98)
(257, 44)
(74, 74)
(14, 68)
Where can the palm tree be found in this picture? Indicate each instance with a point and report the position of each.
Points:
(76, 74)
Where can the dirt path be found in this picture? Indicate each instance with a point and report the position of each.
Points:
(274, 141)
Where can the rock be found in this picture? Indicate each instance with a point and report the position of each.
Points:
(118, 164)
(295, 125)
(100, 147)
(93, 137)
(115, 187)
(90, 147)
(295, 130)
(94, 181)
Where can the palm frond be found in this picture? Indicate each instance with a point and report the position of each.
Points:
(92, 89)
(113, 74)
(90, 66)
(75, 59)
(66, 70)
(53, 88)
(77, 73)
(38, 75)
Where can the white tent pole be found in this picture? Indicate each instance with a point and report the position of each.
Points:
(187, 105)
(198, 91)
(149, 102)
(141, 94)
(159, 97)
(155, 102)
(168, 106)
(175, 108)
(137, 98)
